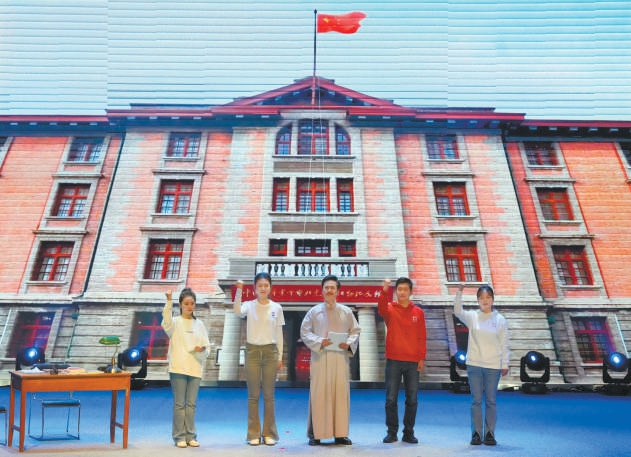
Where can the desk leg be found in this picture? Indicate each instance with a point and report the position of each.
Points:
(22, 418)
(11, 418)
(126, 417)
(113, 416)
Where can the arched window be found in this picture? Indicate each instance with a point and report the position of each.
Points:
(342, 142)
(283, 141)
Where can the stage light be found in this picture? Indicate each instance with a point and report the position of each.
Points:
(133, 357)
(28, 357)
(457, 362)
(618, 363)
(534, 361)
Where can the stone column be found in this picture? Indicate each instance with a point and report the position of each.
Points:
(368, 357)
(229, 358)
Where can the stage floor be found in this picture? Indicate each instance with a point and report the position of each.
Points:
(560, 424)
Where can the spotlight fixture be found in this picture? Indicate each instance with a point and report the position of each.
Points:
(133, 357)
(618, 363)
(29, 357)
(534, 361)
(457, 362)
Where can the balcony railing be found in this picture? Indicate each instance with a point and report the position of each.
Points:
(314, 269)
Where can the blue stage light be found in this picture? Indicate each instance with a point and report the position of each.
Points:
(28, 357)
(617, 362)
(534, 361)
(31, 355)
(461, 358)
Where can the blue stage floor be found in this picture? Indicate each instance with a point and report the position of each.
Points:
(560, 424)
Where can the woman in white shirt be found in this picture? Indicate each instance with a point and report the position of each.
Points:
(188, 351)
(263, 356)
(487, 360)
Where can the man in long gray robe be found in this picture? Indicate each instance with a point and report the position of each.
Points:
(329, 394)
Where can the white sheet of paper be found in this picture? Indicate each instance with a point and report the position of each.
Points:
(336, 339)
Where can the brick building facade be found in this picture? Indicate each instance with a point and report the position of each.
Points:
(304, 180)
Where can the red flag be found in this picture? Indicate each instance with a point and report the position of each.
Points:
(342, 23)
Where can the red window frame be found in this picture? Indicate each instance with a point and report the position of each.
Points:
(442, 147)
(278, 248)
(451, 199)
(147, 333)
(593, 338)
(30, 329)
(313, 248)
(342, 142)
(175, 197)
(345, 196)
(310, 193)
(555, 204)
(164, 259)
(572, 265)
(85, 149)
(184, 144)
(313, 138)
(347, 248)
(540, 153)
(280, 195)
(71, 200)
(461, 262)
(283, 141)
(53, 261)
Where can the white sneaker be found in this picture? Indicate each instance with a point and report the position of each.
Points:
(269, 441)
(193, 443)
(254, 442)
(181, 444)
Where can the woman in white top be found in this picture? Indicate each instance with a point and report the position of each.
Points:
(188, 350)
(263, 356)
(487, 360)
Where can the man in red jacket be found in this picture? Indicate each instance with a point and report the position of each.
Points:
(405, 356)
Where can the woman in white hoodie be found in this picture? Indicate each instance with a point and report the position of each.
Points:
(487, 360)
(188, 351)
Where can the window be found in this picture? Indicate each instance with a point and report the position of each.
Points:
(462, 334)
(442, 147)
(175, 197)
(313, 248)
(164, 259)
(85, 149)
(555, 204)
(342, 142)
(71, 200)
(593, 338)
(451, 199)
(30, 329)
(345, 201)
(278, 248)
(626, 152)
(540, 153)
(184, 145)
(280, 195)
(314, 137)
(52, 261)
(347, 248)
(572, 265)
(283, 141)
(147, 333)
(461, 262)
(313, 195)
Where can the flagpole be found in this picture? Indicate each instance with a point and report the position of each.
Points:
(313, 81)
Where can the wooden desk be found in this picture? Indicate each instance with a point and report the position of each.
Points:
(44, 382)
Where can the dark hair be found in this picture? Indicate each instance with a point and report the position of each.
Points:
(485, 288)
(187, 292)
(404, 280)
(331, 278)
(263, 275)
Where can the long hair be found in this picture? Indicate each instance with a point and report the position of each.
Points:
(187, 292)
(485, 288)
